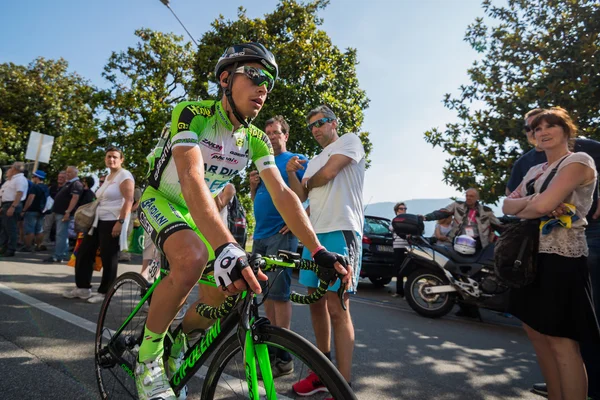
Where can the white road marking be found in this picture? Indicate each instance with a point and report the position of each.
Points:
(226, 381)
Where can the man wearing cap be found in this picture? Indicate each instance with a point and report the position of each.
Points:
(14, 193)
(32, 211)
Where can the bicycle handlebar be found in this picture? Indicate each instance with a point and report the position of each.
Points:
(270, 263)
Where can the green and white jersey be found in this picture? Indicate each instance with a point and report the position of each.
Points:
(225, 153)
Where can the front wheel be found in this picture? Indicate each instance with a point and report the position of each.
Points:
(226, 377)
(115, 362)
(428, 305)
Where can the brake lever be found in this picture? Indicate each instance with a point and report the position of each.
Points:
(341, 290)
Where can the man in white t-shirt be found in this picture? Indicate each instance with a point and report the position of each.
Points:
(333, 184)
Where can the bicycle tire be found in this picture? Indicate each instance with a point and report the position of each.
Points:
(301, 350)
(114, 381)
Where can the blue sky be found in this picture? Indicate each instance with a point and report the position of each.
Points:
(410, 54)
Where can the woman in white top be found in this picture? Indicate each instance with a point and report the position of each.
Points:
(109, 231)
(556, 309)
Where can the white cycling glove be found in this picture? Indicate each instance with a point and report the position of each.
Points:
(230, 260)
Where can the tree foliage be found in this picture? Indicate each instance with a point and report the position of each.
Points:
(533, 54)
(146, 82)
(44, 97)
(312, 71)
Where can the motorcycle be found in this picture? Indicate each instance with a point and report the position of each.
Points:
(437, 277)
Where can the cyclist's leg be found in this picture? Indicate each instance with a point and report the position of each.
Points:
(174, 233)
(213, 296)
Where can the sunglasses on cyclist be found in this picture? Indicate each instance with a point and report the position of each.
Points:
(258, 76)
(318, 123)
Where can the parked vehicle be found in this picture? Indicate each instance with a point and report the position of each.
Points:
(236, 221)
(377, 251)
(438, 276)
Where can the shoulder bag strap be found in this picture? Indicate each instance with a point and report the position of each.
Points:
(551, 174)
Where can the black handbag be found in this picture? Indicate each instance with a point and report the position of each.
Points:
(516, 250)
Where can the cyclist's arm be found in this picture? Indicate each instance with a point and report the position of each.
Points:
(190, 170)
(290, 208)
(329, 171)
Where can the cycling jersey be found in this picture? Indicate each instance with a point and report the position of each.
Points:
(225, 153)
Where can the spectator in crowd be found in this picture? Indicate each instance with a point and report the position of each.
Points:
(32, 211)
(400, 245)
(556, 309)
(65, 205)
(535, 156)
(471, 218)
(15, 192)
(49, 222)
(137, 195)
(333, 183)
(20, 217)
(271, 234)
(88, 195)
(108, 231)
(442, 230)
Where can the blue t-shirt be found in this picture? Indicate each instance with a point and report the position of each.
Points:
(533, 157)
(268, 220)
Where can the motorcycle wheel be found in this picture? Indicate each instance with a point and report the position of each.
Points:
(428, 305)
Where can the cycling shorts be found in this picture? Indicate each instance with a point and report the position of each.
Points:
(161, 218)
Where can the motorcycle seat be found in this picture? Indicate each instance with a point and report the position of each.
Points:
(455, 256)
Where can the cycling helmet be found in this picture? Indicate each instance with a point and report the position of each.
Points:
(239, 54)
(247, 52)
(465, 244)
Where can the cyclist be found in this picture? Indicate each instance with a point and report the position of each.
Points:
(208, 143)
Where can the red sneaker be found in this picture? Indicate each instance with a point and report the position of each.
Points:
(309, 385)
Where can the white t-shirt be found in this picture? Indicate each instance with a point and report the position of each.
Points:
(338, 205)
(18, 183)
(110, 196)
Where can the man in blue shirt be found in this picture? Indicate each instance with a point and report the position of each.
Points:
(271, 234)
(535, 156)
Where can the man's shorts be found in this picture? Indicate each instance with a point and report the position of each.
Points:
(161, 218)
(346, 243)
(280, 281)
(33, 222)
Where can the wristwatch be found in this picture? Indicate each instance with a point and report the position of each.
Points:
(121, 221)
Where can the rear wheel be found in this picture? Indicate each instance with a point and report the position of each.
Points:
(428, 305)
(379, 281)
(115, 363)
(226, 378)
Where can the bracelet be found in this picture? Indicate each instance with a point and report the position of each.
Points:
(319, 248)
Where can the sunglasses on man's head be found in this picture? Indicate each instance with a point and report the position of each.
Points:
(319, 123)
(258, 76)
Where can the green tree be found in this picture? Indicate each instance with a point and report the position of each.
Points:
(533, 54)
(146, 82)
(312, 71)
(44, 97)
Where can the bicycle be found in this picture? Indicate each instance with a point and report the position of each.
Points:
(233, 370)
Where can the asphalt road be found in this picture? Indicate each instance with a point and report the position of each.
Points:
(46, 344)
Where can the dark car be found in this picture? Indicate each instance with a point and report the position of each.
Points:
(236, 219)
(377, 251)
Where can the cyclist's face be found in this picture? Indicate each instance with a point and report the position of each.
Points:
(248, 97)
(277, 137)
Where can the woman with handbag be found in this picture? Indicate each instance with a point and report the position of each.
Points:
(108, 231)
(556, 308)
